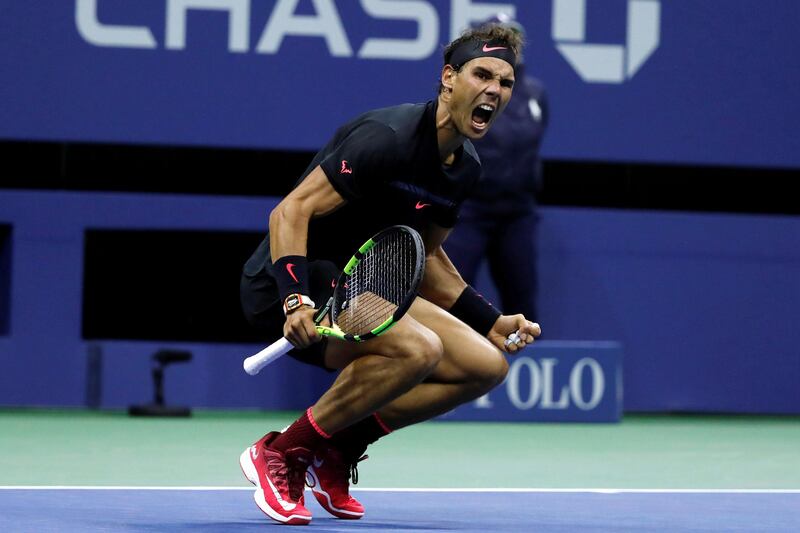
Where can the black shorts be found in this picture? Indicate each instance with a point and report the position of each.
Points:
(264, 310)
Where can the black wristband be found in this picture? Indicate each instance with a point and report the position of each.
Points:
(291, 275)
(475, 311)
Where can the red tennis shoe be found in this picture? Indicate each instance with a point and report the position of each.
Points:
(280, 479)
(330, 474)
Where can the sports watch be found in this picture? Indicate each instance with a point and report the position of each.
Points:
(296, 301)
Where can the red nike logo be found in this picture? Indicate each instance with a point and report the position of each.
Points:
(420, 205)
(345, 169)
(333, 283)
(487, 48)
(290, 269)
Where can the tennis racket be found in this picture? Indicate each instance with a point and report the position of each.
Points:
(373, 292)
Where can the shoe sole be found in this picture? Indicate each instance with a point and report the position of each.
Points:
(250, 472)
(324, 500)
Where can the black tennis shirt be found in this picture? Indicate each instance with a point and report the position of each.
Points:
(386, 165)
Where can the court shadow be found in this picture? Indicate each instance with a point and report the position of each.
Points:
(230, 525)
(323, 525)
(333, 524)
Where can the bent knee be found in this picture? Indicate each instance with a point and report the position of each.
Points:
(424, 352)
(500, 369)
(492, 371)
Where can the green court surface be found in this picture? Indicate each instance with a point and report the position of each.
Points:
(80, 448)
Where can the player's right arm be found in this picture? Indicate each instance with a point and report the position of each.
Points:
(288, 230)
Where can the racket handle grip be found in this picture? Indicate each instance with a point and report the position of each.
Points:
(254, 363)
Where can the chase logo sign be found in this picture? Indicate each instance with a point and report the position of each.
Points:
(595, 63)
(555, 381)
(326, 22)
(226, 73)
(604, 63)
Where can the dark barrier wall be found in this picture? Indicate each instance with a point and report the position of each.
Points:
(5, 276)
(704, 306)
(700, 81)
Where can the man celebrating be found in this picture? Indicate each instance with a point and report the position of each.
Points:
(412, 165)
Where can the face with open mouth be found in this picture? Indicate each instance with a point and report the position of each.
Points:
(480, 92)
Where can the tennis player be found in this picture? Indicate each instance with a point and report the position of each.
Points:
(412, 164)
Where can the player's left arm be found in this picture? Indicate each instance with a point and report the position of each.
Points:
(443, 285)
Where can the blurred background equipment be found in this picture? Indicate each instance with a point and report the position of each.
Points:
(162, 359)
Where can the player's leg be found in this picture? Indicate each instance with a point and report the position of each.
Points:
(470, 366)
(382, 369)
(408, 353)
(278, 476)
(376, 372)
(373, 374)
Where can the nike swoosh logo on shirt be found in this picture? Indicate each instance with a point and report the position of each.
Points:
(420, 205)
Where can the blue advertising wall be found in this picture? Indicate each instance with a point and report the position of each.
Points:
(704, 307)
(43, 358)
(700, 82)
(559, 381)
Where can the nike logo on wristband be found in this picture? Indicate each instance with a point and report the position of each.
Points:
(290, 269)
(487, 48)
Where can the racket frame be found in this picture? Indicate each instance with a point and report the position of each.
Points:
(335, 331)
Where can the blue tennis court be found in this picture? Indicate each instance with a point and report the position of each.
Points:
(83, 472)
(226, 509)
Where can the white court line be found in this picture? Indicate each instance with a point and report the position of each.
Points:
(382, 489)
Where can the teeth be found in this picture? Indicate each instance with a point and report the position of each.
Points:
(486, 107)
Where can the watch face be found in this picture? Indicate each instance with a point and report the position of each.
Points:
(292, 302)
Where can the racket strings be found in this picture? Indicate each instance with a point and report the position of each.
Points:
(379, 284)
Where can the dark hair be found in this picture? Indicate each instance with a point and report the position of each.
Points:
(486, 32)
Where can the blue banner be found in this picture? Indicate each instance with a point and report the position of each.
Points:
(554, 381)
(701, 82)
